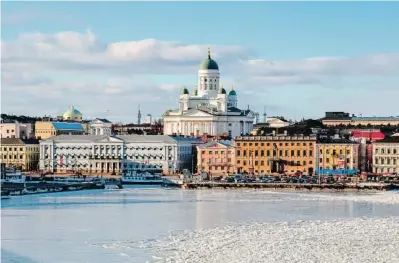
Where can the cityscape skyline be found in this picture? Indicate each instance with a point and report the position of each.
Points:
(291, 60)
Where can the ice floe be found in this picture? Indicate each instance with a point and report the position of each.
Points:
(351, 240)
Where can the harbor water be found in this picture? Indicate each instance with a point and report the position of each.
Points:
(153, 224)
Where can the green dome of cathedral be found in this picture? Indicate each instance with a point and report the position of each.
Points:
(184, 91)
(209, 63)
(222, 91)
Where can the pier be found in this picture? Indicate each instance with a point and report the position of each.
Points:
(291, 186)
(51, 186)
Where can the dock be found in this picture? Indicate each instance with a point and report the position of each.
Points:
(291, 186)
(50, 186)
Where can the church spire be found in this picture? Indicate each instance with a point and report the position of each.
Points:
(139, 116)
(209, 52)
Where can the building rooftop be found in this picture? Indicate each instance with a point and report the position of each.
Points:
(18, 141)
(335, 141)
(210, 143)
(389, 140)
(146, 138)
(68, 126)
(276, 138)
(391, 118)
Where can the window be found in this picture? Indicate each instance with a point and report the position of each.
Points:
(256, 153)
(256, 144)
(328, 160)
(238, 153)
(348, 151)
(20, 149)
(304, 153)
(321, 160)
(262, 163)
(262, 153)
(298, 152)
(310, 162)
(21, 156)
(256, 162)
(286, 153)
(286, 144)
(292, 153)
(268, 153)
(8, 131)
(321, 151)
(304, 144)
(222, 152)
(304, 162)
(280, 144)
(245, 152)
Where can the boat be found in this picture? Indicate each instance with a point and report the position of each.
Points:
(13, 175)
(142, 178)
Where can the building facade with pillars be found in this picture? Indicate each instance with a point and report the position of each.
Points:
(386, 156)
(337, 156)
(279, 154)
(100, 127)
(20, 153)
(216, 158)
(87, 154)
(210, 109)
(114, 155)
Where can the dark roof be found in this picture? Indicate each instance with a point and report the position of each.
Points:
(388, 140)
(11, 141)
(18, 141)
(30, 141)
(335, 141)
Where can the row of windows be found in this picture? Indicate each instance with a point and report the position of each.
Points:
(8, 131)
(348, 160)
(216, 160)
(281, 153)
(291, 163)
(334, 152)
(216, 152)
(268, 144)
(21, 156)
(387, 162)
(386, 151)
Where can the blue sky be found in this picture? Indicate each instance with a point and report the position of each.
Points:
(270, 31)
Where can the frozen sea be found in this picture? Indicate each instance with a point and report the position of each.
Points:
(172, 225)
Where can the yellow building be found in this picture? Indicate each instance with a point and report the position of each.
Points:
(48, 129)
(20, 153)
(337, 155)
(280, 154)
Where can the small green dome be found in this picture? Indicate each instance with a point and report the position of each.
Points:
(184, 91)
(232, 93)
(209, 63)
(222, 91)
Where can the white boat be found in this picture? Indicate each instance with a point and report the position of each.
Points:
(142, 178)
(13, 176)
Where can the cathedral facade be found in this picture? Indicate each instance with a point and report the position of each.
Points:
(210, 109)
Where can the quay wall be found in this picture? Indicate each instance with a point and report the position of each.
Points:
(291, 187)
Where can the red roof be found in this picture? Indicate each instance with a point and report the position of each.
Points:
(369, 135)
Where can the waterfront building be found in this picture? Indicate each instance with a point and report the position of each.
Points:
(113, 155)
(343, 119)
(337, 156)
(72, 114)
(216, 158)
(47, 129)
(81, 153)
(275, 154)
(16, 130)
(20, 153)
(386, 156)
(100, 127)
(210, 109)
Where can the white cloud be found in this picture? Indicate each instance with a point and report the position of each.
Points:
(51, 71)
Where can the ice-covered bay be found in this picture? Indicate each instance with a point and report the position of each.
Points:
(353, 240)
(150, 225)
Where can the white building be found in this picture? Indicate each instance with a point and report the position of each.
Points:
(100, 127)
(209, 110)
(96, 154)
(16, 130)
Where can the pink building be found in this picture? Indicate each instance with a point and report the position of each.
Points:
(216, 158)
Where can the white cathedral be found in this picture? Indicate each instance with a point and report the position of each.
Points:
(209, 110)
